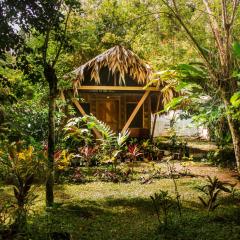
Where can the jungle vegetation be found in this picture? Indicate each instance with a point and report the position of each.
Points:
(192, 46)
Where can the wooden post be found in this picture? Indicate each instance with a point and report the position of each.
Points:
(135, 111)
(155, 116)
(81, 110)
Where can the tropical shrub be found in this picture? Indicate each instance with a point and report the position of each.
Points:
(27, 120)
(223, 157)
(87, 155)
(212, 190)
(77, 133)
(6, 214)
(62, 163)
(62, 160)
(133, 152)
(24, 165)
(110, 145)
(234, 109)
(78, 176)
(150, 150)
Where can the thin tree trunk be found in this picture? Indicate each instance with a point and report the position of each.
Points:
(220, 76)
(234, 127)
(235, 132)
(52, 80)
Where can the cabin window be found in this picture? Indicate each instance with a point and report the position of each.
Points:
(138, 120)
(86, 107)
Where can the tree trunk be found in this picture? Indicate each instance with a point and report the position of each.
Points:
(220, 74)
(51, 77)
(235, 132)
(234, 127)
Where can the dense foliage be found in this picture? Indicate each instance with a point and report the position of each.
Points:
(193, 48)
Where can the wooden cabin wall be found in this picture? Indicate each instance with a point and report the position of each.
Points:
(123, 98)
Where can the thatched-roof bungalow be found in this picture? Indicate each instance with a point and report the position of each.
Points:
(113, 86)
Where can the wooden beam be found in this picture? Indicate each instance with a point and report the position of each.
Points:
(81, 110)
(79, 107)
(62, 96)
(135, 111)
(117, 88)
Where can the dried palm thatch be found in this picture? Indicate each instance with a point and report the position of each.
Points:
(119, 61)
(166, 81)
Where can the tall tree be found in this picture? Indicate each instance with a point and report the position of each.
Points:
(219, 61)
(46, 20)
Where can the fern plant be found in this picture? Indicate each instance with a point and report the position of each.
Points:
(111, 144)
(211, 191)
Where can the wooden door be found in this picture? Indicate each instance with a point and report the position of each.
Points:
(108, 112)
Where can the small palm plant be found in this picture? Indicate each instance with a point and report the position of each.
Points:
(211, 191)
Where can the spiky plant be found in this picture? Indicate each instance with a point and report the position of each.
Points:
(23, 164)
(111, 143)
(211, 190)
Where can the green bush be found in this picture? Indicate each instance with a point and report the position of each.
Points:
(27, 120)
(223, 157)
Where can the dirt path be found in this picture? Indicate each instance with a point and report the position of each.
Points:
(222, 174)
(202, 169)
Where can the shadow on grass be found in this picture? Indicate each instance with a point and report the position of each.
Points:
(141, 204)
(84, 209)
(134, 218)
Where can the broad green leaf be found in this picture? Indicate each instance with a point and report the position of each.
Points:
(174, 103)
(236, 74)
(235, 99)
(236, 49)
(183, 85)
(91, 125)
(191, 69)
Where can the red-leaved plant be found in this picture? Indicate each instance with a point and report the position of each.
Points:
(133, 152)
(87, 152)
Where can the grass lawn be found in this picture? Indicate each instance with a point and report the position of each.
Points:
(103, 210)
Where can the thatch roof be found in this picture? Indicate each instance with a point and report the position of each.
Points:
(120, 62)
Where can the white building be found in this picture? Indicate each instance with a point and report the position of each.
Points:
(183, 127)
